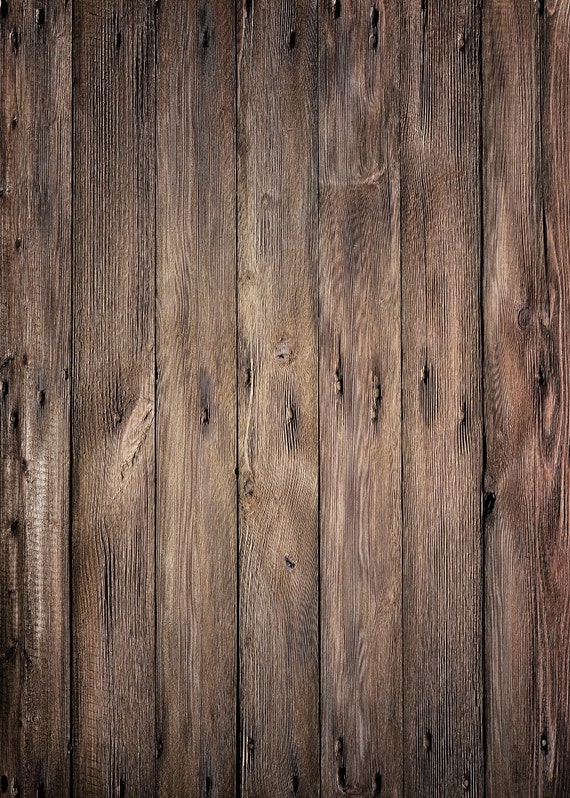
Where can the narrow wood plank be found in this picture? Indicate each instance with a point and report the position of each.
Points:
(35, 212)
(277, 398)
(113, 407)
(441, 386)
(196, 399)
(359, 263)
(514, 282)
(552, 384)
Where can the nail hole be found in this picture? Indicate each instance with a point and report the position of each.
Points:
(4, 387)
(41, 398)
(292, 39)
(489, 503)
(427, 741)
(206, 39)
(14, 527)
(118, 39)
(336, 9)
(4, 783)
(4, 13)
(18, 241)
(40, 17)
(14, 122)
(289, 563)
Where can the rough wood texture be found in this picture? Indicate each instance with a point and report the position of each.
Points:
(359, 266)
(329, 239)
(35, 268)
(196, 400)
(113, 400)
(277, 398)
(514, 310)
(552, 422)
(442, 398)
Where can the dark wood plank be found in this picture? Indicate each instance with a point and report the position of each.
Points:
(113, 400)
(513, 306)
(35, 207)
(359, 262)
(442, 400)
(277, 398)
(552, 385)
(196, 400)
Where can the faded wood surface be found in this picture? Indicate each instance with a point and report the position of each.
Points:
(283, 408)
(359, 263)
(35, 269)
(442, 442)
(113, 570)
(514, 311)
(277, 398)
(196, 400)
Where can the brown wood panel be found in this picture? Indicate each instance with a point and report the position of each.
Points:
(113, 614)
(359, 266)
(513, 303)
(277, 398)
(552, 384)
(35, 205)
(196, 399)
(442, 440)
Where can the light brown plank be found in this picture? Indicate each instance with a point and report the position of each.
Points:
(552, 423)
(35, 208)
(442, 401)
(277, 398)
(513, 281)
(359, 263)
(113, 408)
(196, 415)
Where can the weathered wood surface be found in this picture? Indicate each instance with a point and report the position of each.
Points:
(113, 568)
(283, 412)
(359, 267)
(196, 400)
(35, 279)
(442, 441)
(278, 398)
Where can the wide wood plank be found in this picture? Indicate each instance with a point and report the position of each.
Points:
(359, 263)
(441, 387)
(196, 400)
(513, 302)
(113, 400)
(35, 268)
(277, 398)
(552, 420)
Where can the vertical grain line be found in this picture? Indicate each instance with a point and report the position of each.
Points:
(483, 419)
(238, 774)
(71, 374)
(402, 583)
(155, 393)
(318, 265)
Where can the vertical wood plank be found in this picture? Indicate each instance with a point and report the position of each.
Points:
(552, 384)
(359, 262)
(277, 398)
(514, 311)
(196, 399)
(441, 387)
(113, 400)
(35, 207)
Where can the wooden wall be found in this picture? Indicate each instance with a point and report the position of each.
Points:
(285, 398)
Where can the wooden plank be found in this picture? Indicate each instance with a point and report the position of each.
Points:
(113, 408)
(196, 399)
(441, 389)
(359, 262)
(277, 398)
(35, 206)
(551, 386)
(513, 305)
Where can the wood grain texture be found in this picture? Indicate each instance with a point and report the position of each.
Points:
(277, 398)
(113, 400)
(442, 400)
(514, 312)
(552, 423)
(196, 401)
(35, 205)
(359, 264)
